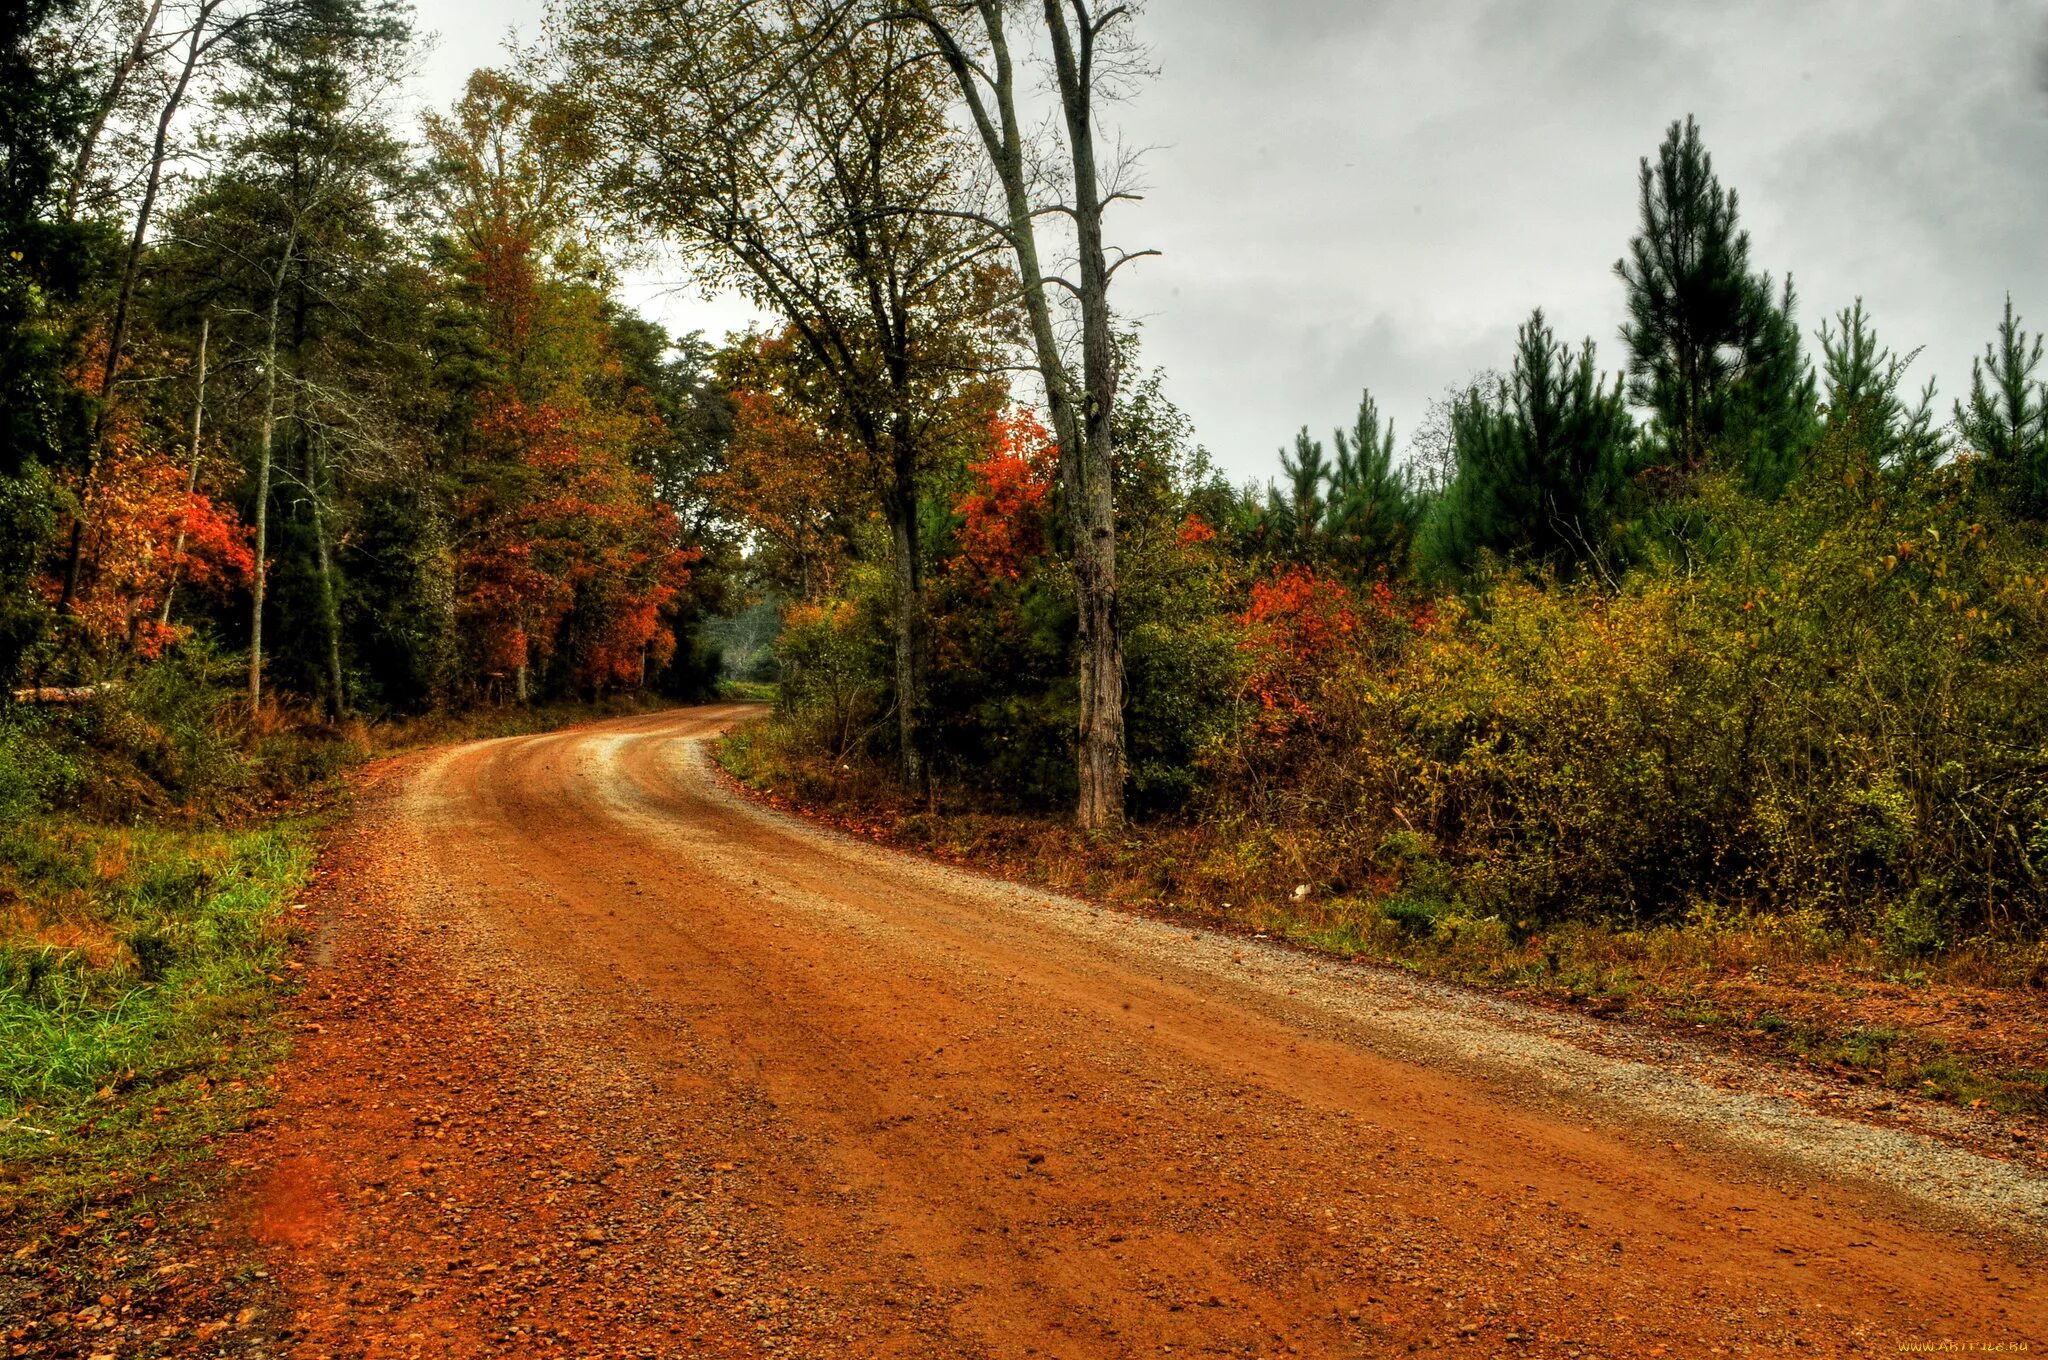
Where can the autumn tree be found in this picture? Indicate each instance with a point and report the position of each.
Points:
(802, 154)
(566, 561)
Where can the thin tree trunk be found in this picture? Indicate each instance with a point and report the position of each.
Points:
(265, 444)
(191, 474)
(81, 166)
(330, 605)
(117, 334)
(901, 509)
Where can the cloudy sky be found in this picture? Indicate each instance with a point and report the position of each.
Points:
(1375, 193)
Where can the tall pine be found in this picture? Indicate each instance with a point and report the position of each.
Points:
(1370, 517)
(1713, 349)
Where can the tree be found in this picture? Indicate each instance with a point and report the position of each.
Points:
(213, 26)
(1862, 388)
(287, 240)
(803, 154)
(1092, 57)
(1294, 514)
(1373, 505)
(1712, 349)
(2005, 420)
(566, 562)
(1542, 461)
(43, 268)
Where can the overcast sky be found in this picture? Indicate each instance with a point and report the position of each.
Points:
(1358, 194)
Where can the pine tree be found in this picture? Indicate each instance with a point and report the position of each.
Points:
(1370, 518)
(1863, 381)
(1771, 419)
(2005, 421)
(1542, 461)
(1294, 513)
(1713, 350)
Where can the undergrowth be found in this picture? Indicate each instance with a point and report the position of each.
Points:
(137, 969)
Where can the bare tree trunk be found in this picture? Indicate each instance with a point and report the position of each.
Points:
(266, 443)
(117, 333)
(519, 683)
(1080, 411)
(81, 166)
(1090, 477)
(191, 474)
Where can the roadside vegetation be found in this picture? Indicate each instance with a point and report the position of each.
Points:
(156, 852)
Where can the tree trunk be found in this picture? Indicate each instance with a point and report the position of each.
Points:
(191, 473)
(266, 443)
(330, 605)
(117, 333)
(900, 507)
(1091, 476)
(81, 167)
(1080, 411)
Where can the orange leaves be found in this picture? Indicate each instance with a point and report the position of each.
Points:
(140, 508)
(1006, 514)
(1304, 631)
(1296, 625)
(568, 546)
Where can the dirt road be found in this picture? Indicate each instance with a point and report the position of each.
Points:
(599, 1059)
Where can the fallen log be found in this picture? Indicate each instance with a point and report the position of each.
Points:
(58, 694)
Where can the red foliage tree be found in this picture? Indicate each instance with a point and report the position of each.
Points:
(1006, 516)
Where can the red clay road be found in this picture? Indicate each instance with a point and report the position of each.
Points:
(599, 1059)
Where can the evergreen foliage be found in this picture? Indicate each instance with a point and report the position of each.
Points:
(2005, 420)
(1543, 462)
(1373, 502)
(1713, 351)
(1863, 382)
(44, 263)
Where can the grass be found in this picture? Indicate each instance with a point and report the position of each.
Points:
(137, 970)
(1789, 986)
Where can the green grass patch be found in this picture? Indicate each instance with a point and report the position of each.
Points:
(137, 965)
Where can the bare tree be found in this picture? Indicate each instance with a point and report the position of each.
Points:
(192, 468)
(1093, 57)
(137, 51)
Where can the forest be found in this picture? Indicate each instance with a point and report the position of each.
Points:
(324, 418)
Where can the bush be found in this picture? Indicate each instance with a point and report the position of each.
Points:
(1837, 709)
